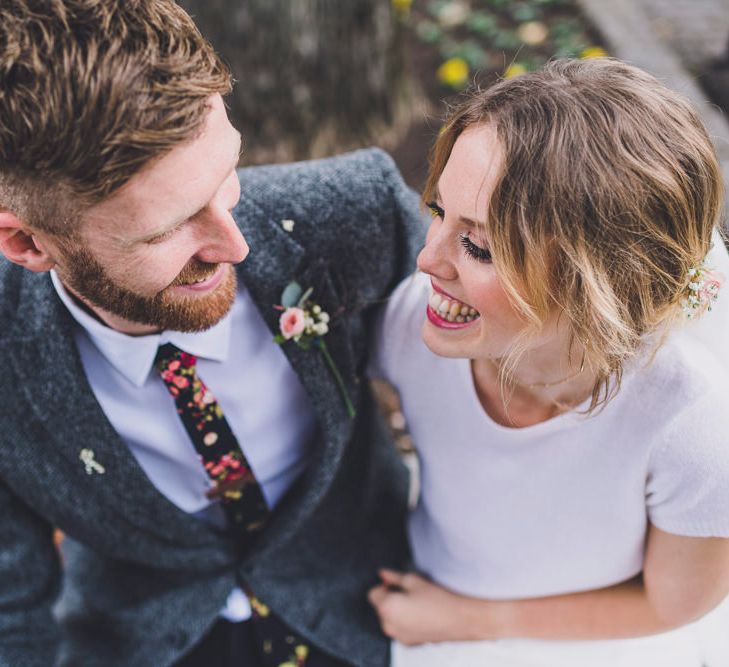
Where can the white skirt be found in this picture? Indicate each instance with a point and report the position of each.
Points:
(704, 643)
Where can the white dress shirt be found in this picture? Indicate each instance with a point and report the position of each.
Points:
(260, 394)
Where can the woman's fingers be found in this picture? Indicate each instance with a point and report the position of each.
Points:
(392, 578)
(377, 594)
(405, 582)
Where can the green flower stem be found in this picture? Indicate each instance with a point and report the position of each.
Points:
(337, 376)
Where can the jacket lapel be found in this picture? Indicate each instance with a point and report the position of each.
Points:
(276, 259)
(51, 377)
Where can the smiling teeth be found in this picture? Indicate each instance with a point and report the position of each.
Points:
(200, 280)
(451, 309)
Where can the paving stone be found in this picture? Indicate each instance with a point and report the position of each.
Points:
(697, 29)
(654, 34)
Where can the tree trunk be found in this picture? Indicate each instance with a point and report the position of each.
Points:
(313, 77)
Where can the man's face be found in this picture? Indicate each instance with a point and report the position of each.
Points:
(158, 254)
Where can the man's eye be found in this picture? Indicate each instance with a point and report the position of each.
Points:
(435, 210)
(164, 235)
(474, 251)
(161, 237)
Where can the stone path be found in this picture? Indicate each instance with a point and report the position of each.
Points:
(669, 38)
(698, 30)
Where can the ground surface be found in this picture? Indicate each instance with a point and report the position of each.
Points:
(698, 31)
(454, 43)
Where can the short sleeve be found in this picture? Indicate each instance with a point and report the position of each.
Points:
(687, 491)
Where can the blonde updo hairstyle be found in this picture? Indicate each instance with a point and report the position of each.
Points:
(609, 193)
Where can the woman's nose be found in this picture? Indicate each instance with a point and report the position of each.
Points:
(435, 258)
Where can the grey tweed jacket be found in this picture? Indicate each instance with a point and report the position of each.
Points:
(140, 580)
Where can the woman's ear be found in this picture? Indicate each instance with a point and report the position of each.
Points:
(21, 246)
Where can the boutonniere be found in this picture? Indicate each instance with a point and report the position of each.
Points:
(304, 323)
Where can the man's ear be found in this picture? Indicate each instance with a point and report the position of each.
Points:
(21, 246)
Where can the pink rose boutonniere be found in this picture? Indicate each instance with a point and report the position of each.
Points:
(292, 323)
(305, 323)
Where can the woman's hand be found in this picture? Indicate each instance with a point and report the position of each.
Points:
(683, 578)
(414, 610)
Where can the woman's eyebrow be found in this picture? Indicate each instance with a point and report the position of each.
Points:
(466, 221)
(470, 222)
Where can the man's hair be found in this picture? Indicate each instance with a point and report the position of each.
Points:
(91, 91)
(608, 194)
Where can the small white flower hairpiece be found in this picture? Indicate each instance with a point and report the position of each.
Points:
(702, 290)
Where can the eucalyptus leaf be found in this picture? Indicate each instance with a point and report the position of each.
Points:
(291, 294)
(305, 297)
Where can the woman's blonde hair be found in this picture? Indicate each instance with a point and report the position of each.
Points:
(608, 194)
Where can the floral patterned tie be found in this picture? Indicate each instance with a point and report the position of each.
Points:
(236, 487)
(234, 483)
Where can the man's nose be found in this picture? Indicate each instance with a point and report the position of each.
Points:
(224, 242)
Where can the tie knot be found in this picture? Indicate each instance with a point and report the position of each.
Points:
(172, 358)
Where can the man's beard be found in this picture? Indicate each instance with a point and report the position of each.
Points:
(165, 310)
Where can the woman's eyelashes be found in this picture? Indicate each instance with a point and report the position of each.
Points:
(472, 250)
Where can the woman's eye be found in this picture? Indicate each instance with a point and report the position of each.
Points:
(472, 250)
(435, 210)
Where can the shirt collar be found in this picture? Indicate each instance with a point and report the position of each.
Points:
(133, 356)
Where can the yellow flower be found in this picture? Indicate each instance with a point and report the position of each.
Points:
(287, 664)
(593, 52)
(453, 72)
(515, 69)
(302, 652)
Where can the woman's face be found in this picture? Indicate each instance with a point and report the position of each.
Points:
(469, 314)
